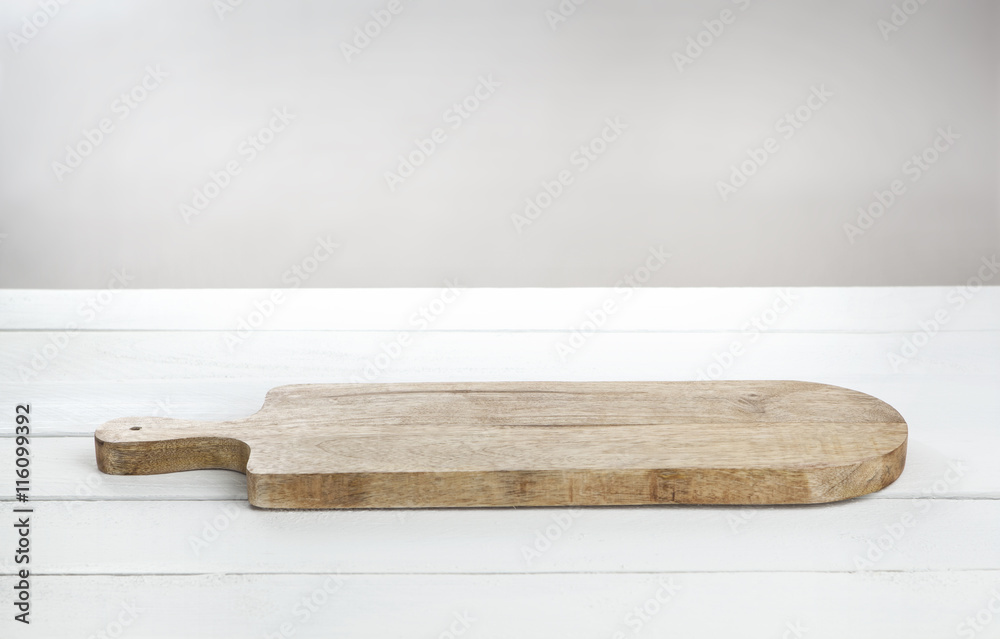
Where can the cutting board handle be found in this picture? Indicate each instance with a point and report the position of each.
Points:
(152, 445)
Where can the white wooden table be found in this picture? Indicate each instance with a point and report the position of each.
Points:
(183, 555)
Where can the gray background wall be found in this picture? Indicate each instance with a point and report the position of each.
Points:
(656, 185)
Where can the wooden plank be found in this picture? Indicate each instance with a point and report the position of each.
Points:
(332, 357)
(80, 407)
(954, 461)
(136, 537)
(416, 309)
(756, 605)
(946, 393)
(962, 428)
(532, 444)
(64, 468)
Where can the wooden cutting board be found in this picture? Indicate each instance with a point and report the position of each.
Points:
(533, 444)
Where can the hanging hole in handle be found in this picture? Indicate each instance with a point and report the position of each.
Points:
(136, 428)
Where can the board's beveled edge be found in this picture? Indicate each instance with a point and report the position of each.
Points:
(868, 475)
(862, 478)
(624, 487)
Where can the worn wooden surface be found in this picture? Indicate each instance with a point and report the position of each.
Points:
(533, 444)
(190, 557)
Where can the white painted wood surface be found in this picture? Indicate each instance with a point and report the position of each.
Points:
(184, 555)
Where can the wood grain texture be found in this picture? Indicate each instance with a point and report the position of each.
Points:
(533, 444)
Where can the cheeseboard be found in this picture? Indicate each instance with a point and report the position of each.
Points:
(415, 445)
